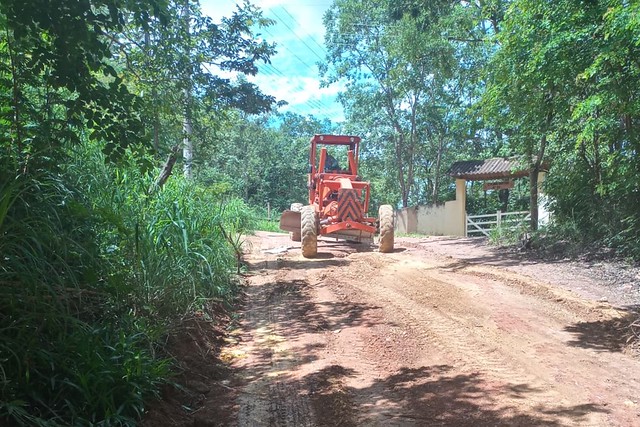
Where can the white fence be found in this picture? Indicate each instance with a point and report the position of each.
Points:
(481, 224)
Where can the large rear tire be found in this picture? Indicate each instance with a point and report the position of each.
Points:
(309, 232)
(295, 235)
(387, 226)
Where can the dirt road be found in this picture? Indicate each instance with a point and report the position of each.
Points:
(421, 337)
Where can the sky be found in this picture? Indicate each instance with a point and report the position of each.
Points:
(292, 75)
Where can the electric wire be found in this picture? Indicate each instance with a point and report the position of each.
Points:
(269, 69)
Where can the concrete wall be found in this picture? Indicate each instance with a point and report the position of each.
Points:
(440, 220)
(407, 220)
(450, 218)
(446, 219)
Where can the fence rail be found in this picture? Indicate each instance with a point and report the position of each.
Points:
(478, 225)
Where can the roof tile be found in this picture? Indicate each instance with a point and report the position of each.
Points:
(496, 168)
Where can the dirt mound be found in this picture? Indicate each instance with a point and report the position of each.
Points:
(202, 393)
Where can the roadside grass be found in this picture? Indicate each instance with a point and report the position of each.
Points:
(96, 266)
(268, 225)
(416, 235)
(266, 221)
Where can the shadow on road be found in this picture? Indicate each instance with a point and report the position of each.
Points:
(290, 306)
(323, 260)
(330, 254)
(425, 396)
(496, 256)
(612, 335)
(429, 396)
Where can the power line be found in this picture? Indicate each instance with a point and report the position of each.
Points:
(315, 101)
(302, 61)
(293, 32)
(322, 48)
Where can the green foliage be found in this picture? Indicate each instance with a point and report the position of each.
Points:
(173, 235)
(174, 71)
(65, 359)
(97, 262)
(408, 89)
(267, 221)
(481, 202)
(268, 225)
(95, 267)
(264, 160)
(506, 236)
(562, 87)
(59, 79)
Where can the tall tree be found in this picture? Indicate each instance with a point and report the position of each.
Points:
(60, 80)
(179, 71)
(544, 47)
(399, 68)
(264, 159)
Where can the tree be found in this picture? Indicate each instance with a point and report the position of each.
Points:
(264, 159)
(406, 87)
(60, 81)
(177, 71)
(543, 47)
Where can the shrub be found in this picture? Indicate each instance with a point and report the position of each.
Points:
(96, 264)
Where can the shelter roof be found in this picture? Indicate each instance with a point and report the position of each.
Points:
(482, 170)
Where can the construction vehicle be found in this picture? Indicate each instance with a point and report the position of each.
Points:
(338, 200)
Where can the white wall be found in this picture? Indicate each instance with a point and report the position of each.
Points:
(446, 219)
(450, 218)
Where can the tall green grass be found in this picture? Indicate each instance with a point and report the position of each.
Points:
(95, 265)
(267, 221)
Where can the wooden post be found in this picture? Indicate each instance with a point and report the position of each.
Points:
(269, 211)
(461, 198)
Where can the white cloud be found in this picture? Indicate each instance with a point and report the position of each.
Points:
(295, 90)
(305, 17)
(303, 95)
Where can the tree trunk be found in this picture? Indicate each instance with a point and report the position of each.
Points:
(168, 166)
(187, 128)
(435, 193)
(533, 182)
(187, 148)
(154, 98)
(535, 170)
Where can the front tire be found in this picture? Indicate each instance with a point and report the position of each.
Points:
(387, 226)
(309, 232)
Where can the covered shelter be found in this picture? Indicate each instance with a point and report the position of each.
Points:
(502, 171)
(450, 218)
(499, 168)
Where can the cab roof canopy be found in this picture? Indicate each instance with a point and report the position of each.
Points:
(336, 139)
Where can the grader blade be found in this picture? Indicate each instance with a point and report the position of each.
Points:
(290, 221)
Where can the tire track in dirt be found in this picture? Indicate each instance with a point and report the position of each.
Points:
(451, 324)
(269, 398)
(265, 355)
(356, 337)
(444, 335)
(412, 338)
(286, 380)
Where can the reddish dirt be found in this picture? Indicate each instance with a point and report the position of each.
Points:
(442, 332)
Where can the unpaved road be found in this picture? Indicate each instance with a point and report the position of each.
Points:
(421, 337)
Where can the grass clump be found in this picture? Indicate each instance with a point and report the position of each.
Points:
(96, 264)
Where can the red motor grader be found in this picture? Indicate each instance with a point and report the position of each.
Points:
(338, 200)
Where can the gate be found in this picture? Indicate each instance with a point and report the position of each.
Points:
(477, 225)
